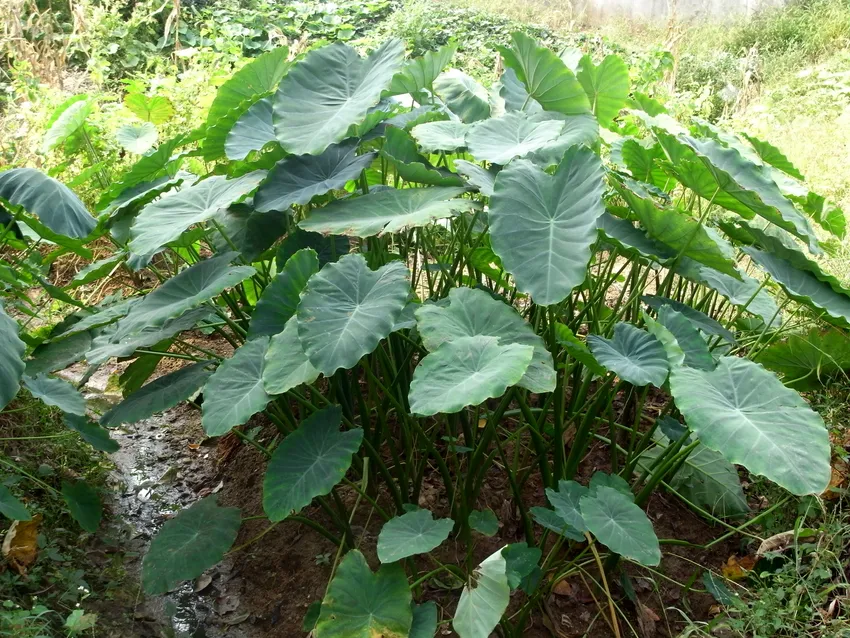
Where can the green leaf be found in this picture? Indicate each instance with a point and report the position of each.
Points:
(347, 309)
(513, 92)
(615, 481)
(484, 599)
(56, 205)
(565, 501)
(769, 154)
(808, 361)
(56, 392)
(465, 97)
(520, 561)
(91, 433)
(545, 76)
(328, 248)
(248, 231)
(235, 392)
(308, 463)
(72, 119)
(577, 349)
(251, 132)
(578, 130)
(543, 226)
(287, 366)
(424, 620)
(156, 109)
(281, 297)
(164, 220)
(688, 337)
(744, 412)
(96, 270)
(642, 160)
(420, 73)
(448, 136)
(12, 364)
(633, 241)
(189, 544)
(481, 178)
(466, 371)
(58, 355)
(484, 521)
(699, 319)
(400, 149)
(360, 604)
(330, 90)
(513, 135)
(410, 534)
(83, 504)
(622, 526)
(744, 292)
(387, 211)
(137, 138)
(470, 312)
(552, 521)
(11, 507)
(158, 395)
(632, 354)
(299, 178)
(606, 86)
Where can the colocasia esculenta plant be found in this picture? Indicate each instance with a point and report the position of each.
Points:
(424, 279)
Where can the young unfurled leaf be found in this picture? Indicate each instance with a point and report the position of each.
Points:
(410, 534)
(137, 138)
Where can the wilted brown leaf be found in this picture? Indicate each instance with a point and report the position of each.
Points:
(20, 546)
(737, 568)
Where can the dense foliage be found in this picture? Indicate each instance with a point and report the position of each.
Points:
(423, 278)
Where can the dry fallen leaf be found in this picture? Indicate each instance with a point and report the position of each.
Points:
(838, 480)
(646, 618)
(564, 588)
(20, 546)
(737, 568)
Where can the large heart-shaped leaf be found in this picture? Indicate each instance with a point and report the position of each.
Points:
(56, 206)
(746, 292)
(465, 97)
(606, 86)
(470, 312)
(808, 361)
(614, 519)
(512, 91)
(484, 599)
(137, 138)
(11, 507)
(72, 116)
(551, 520)
(481, 178)
(420, 73)
(56, 392)
(12, 363)
(466, 371)
(252, 131)
(247, 230)
(578, 129)
(158, 396)
(330, 90)
(189, 544)
(287, 366)
(83, 504)
(347, 309)
(699, 319)
(281, 297)
(543, 226)
(769, 154)
(447, 135)
(400, 149)
(360, 604)
(545, 76)
(744, 412)
(516, 134)
(308, 463)
(299, 178)
(329, 248)
(633, 241)
(410, 534)
(235, 392)
(165, 219)
(632, 354)
(387, 211)
(154, 110)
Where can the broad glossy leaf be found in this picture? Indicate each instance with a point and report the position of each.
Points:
(96, 270)
(400, 149)
(633, 241)
(83, 504)
(565, 502)
(484, 522)
(606, 86)
(513, 135)
(520, 561)
(281, 297)
(466, 371)
(249, 231)
(447, 135)
(481, 178)
(91, 433)
(287, 366)
(632, 354)
(465, 97)
(769, 154)
(615, 481)
(543, 226)
(744, 412)
(577, 349)
(56, 205)
(329, 248)
(413, 533)
(164, 220)
(743, 292)
(622, 526)
(688, 337)
(72, 118)
(159, 395)
(470, 312)
(552, 521)
(102, 317)
(189, 544)
(251, 132)
(11, 507)
(578, 129)
(56, 392)
(699, 319)
(362, 604)
(387, 211)
(137, 138)
(155, 109)
(308, 463)
(12, 365)
(643, 162)
(420, 73)
(328, 91)
(235, 392)
(347, 309)
(58, 355)
(299, 178)
(808, 361)
(484, 599)
(513, 92)
(424, 620)
(547, 79)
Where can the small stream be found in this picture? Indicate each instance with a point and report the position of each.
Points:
(164, 465)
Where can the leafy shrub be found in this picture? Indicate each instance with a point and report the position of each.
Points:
(422, 276)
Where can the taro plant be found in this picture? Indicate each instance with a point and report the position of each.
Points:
(425, 279)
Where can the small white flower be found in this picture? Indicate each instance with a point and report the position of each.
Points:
(78, 604)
